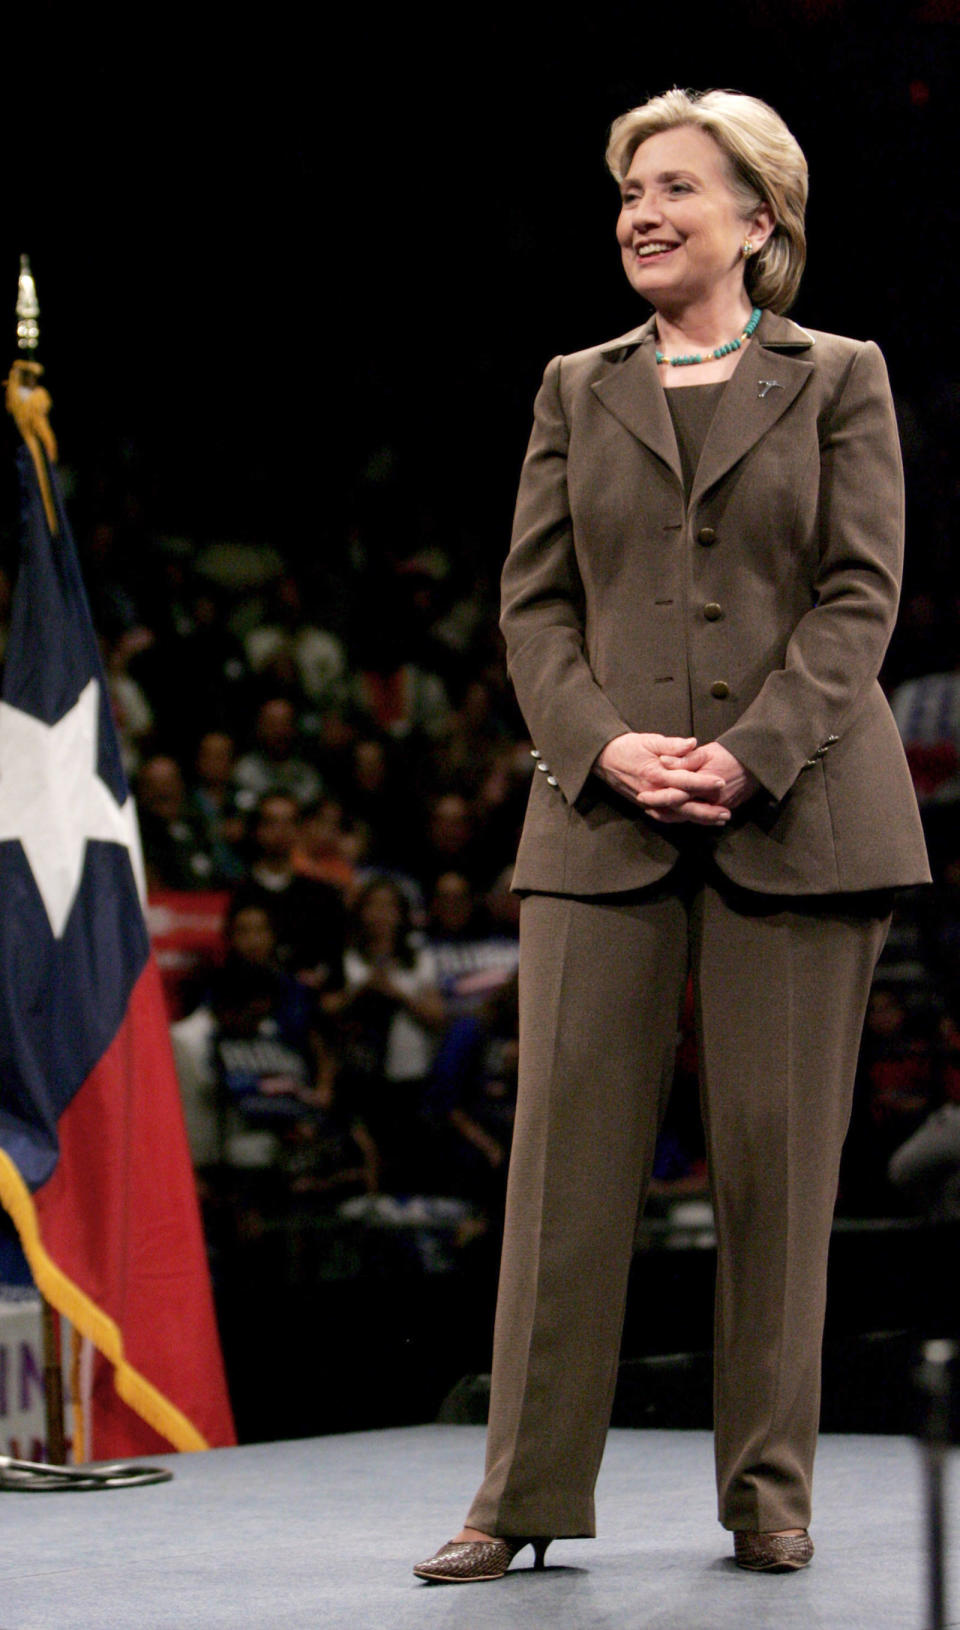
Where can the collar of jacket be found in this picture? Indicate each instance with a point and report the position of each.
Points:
(630, 388)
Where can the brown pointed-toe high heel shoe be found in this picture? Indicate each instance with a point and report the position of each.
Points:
(772, 1553)
(469, 1562)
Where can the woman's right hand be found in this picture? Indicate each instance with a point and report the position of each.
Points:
(633, 765)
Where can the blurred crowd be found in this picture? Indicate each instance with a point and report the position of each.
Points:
(331, 772)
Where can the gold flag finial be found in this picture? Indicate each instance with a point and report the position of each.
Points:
(28, 310)
(27, 400)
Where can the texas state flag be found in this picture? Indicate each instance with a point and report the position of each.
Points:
(94, 1165)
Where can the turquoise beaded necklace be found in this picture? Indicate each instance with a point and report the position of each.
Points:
(719, 351)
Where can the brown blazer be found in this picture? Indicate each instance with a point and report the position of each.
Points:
(757, 613)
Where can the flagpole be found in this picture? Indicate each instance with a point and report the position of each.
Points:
(29, 403)
(53, 1387)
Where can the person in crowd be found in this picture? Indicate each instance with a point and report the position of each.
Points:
(503, 905)
(392, 1013)
(322, 849)
(472, 958)
(466, 750)
(896, 1089)
(288, 1125)
(195, 654)
(925, 1168)
(370, 793)
(403, 699)
(176, 850)
(267, 1074)
(335, 1155)
(927, 709)
(132, 713)
(448, 841)
(290, 651)
(274, 765)
(251, 982)
(308, 914)
(213, 803)
(472, 1098)
(700, 589)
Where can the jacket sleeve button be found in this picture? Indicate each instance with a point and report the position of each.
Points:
(552, 781)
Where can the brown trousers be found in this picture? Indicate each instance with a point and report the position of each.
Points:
(781, 988)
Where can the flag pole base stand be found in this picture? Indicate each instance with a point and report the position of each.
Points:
(35, 1477)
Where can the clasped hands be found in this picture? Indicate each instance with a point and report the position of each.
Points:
(673, 779)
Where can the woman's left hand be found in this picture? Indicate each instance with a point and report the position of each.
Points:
(738, 782)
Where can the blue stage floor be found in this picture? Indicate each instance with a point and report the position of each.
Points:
(297, 1536)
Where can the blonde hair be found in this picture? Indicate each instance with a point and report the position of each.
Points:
(766, 166)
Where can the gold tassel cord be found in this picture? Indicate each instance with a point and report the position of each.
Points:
(29, 403)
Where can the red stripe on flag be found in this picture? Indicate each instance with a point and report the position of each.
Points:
(120, 1219)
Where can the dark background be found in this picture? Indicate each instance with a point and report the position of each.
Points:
(308, 268)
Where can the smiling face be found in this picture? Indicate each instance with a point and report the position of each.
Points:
(681, 229)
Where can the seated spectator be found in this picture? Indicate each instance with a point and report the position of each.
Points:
(261, 1044)
(176, 852)
(927, 709)
(472, 1099)
(500, 806)
(213, 804)
(292, 651)
(249, 963)
(472, 956)
(448, 843)
(391, 1013)
(273, 765)
(466, 750)
(132, 713)
(374, 799)
(402, 698)
(256, 1040)
(286, 1118)
(926, 1167)
(334, 1155)
(503, 906)
(322, 849)
(196, 656)
(895, 1091)
(308, 914)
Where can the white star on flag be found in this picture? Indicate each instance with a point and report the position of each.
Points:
(53, 801)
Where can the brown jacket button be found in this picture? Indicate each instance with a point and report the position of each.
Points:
(706, 534)
(712, 611)
(719, 689)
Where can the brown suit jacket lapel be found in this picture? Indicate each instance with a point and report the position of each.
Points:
(632, 392)
(759, 392)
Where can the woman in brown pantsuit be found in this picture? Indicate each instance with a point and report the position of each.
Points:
(699, 593)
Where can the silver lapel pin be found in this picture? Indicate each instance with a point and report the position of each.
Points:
(768, 385)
